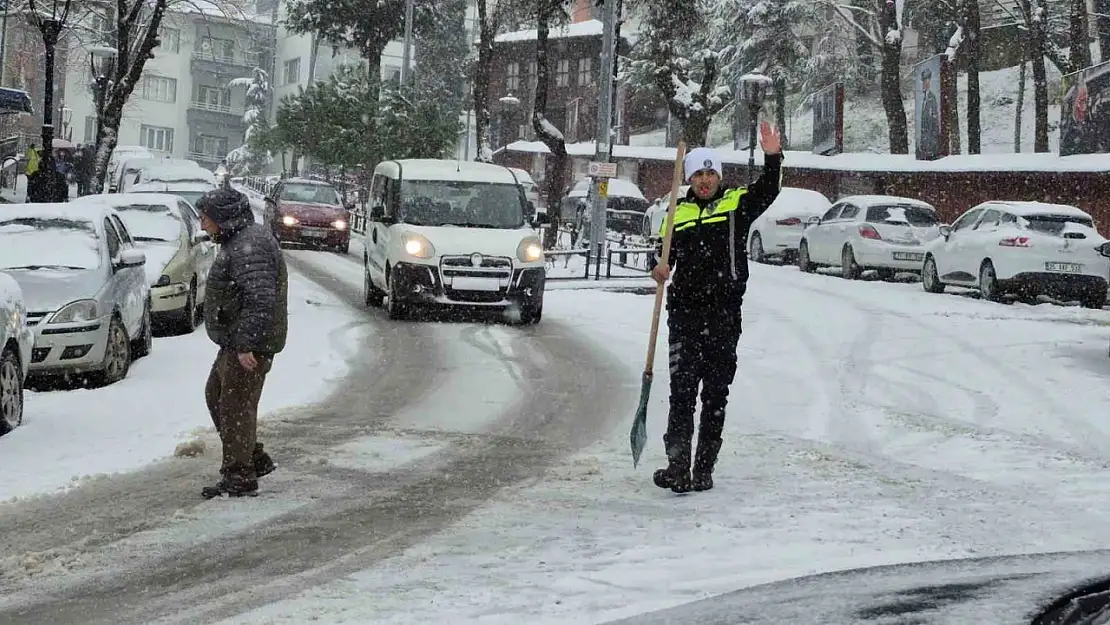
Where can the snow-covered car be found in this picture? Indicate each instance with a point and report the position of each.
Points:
(176, 171)
(120, 156)
(190, 191)
(16, 342)
(178, 252)
(1024, 248)
(777, 232)
(862, 232)
(83, 283)
(309, 212)
(625, 206)
(451, 234)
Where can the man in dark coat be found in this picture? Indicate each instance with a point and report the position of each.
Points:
(929, 134)
(703, 304)
(246, 314)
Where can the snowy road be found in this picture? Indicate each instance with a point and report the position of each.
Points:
(476, 407)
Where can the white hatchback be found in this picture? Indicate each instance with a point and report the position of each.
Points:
(1022, 248)
(861, 232)
(778, 231)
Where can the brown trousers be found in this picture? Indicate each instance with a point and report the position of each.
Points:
(232, 394)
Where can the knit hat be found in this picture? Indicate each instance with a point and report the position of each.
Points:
(700, 159)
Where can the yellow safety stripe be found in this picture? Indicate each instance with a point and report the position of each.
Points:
(688, 214)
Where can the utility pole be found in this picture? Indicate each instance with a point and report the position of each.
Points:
(406, 56)
(603, 153)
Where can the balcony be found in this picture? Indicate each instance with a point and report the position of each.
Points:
(235, 65)
(206, 158)
(208, 113)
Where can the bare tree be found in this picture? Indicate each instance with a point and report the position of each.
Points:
(558, 166)
(487, 30)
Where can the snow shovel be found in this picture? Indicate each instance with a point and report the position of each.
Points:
(638, 436)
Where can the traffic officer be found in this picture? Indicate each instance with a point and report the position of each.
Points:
(703, 304)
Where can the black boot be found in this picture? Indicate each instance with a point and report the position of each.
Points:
(263, 463)
(231, 488)
(677, 474)
(704, 462)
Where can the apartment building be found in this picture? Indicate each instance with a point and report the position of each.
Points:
(21, 67)
(183, 106)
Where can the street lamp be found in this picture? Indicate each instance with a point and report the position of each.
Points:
(48, 188)
(753, 89)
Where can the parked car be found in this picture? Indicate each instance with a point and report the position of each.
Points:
(169, 171)
(16, 342)
(1024, 248)
(189, 190)
(86, 294)
(120, 155)
(625, 207)
(451, 234)
(178, 252)
(863, 232)
(309, 212)
(777, 232)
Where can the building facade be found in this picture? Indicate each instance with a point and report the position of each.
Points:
(21, 67)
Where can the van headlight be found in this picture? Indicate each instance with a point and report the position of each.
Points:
(530, 250)
(418, 245)
(77, 312)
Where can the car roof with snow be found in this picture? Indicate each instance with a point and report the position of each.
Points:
(438, 169)
(795, 199)
(523, 175)
(127, 199)
(867, 201)
(1026, 209)
(177, 173)
(74, 211)
(168, 186)
(307, 181)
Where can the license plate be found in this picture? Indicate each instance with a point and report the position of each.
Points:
(1064, 267)
(468, 283)
(314, 233)
(909, 256)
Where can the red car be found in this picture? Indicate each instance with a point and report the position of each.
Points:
(309, 212)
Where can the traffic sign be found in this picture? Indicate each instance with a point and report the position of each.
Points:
(598, 169)
(603, 188)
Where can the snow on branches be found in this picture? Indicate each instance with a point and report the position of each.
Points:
(253, 156)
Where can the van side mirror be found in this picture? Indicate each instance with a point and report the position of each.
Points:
(377, 212)
(539, 219)
(945, 230)
(130, 258)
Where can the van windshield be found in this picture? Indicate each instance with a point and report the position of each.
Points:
(463, 204)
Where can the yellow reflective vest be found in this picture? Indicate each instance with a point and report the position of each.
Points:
(688, 214)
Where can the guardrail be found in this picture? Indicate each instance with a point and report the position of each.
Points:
(215, 108)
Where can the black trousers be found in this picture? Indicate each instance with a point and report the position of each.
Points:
(702, 353)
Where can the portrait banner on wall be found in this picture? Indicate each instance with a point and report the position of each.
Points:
(1085, 111)
(828, 120)
(930, 138)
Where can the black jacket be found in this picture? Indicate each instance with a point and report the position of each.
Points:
(703, 280)
(246, 302)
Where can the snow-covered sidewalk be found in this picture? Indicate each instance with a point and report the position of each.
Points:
(71, 435)
(871, 423)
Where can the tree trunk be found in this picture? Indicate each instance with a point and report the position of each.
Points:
(780, 112)
(1037, 47)
(973, 51)
(951, 98)
(1079, 46)
(890, 86)
(480, 88)
(1020, 107)
(558, 170)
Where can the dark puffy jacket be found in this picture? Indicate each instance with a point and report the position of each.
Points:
(246, 303)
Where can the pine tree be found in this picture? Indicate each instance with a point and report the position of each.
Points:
(253, 157)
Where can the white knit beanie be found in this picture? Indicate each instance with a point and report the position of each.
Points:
(700, 159)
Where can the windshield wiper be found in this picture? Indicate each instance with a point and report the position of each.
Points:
(471, 224)
(38, 267)
(154, 239)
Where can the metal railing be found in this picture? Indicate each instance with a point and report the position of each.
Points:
(243, 58)
(205, 156)
(215, 108)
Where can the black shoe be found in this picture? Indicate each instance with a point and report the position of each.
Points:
(673, 478)
(231, 488)
(704, 461)
(702, 482)
(263, 465)
(677, 474)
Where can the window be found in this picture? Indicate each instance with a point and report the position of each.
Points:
(850, 211)
(124, 232)
(113, 239)
(512, 77)
(210, 145)
(522, 131)
(292, 71)
(585, 76)
(392, 74)
(967, 220)
(533, 74)
(170, 40)
(219, 49)
(213, 97)
(832, 213)
(902, 214)
(159, 89)
(90, 129)
(562, 73)
(990, 219)
(157, 138)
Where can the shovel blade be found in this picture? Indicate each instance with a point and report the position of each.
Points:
(638, 436)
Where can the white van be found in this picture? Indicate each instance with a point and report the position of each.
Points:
(531, 189)
(451, 233)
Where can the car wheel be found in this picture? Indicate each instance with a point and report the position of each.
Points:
(804, 263)
(1095, 298)
(532, 312)
(142, 345)
(988, 283)
(11, 391)
(371, 294)
(394, 307)
(117, 355)
(755, 249)
(189, 319)
(849, 268)
(930, 280)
